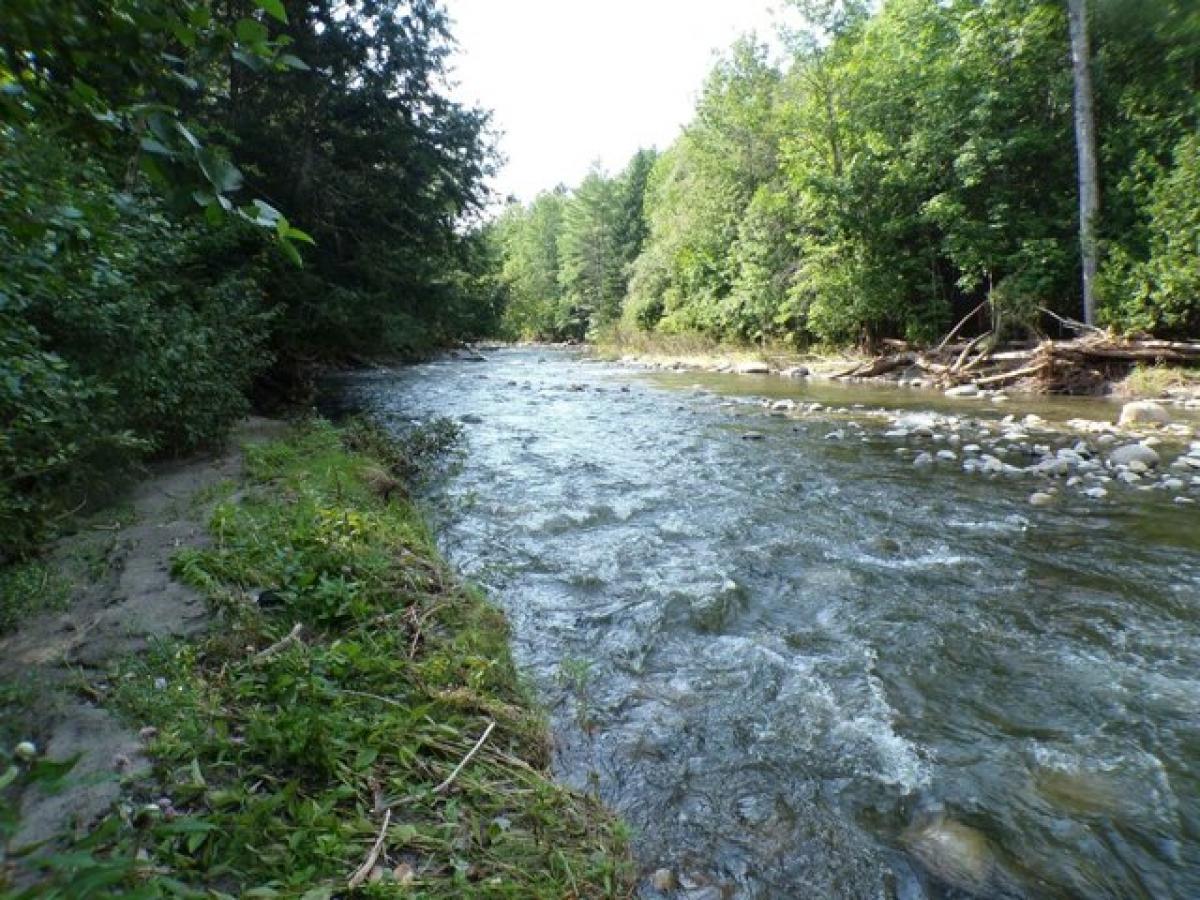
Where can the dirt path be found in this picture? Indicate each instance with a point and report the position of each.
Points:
(123, 598)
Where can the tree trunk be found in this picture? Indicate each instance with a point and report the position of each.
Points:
(1085, 144)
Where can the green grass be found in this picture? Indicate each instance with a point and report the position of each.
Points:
(625, 340)
(279, 756)
(29, 588)
(1155, 381)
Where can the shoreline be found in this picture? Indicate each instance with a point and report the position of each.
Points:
(1172, 385)
(341, 712)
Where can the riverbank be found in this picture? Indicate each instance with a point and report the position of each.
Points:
(1172, 384)
(311, 703)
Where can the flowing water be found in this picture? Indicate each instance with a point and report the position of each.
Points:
(801, 667)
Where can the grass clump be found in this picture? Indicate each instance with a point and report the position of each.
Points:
(1157, 380)
(351, 675)
(27, 588)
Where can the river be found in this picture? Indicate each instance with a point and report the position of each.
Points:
(799, 665)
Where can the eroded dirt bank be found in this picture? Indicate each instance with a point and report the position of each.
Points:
(120, 599)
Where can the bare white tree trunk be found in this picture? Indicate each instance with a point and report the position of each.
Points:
(1085, 144)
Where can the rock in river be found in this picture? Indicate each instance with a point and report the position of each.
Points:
(663, 880)
(963, 390)
(754, 368)
(1123, 456)
(953, 852)
(1041, 499)
(1143, 412)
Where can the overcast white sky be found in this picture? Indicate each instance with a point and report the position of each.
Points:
(575, 81)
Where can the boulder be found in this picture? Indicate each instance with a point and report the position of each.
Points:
(1129, 453)
(754, 368)
(1054, 467)
(795, 372)
(1041, 499)
(1143, 412)
(963, 390)
(663, 880)
(953, 852)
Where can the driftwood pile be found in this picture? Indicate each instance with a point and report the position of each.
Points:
(1082, 365)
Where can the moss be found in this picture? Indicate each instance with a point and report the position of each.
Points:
(280, 754)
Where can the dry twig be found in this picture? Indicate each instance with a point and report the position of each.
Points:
(290, 638)
(362, 872)
(466, 759)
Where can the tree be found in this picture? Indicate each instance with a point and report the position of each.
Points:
(1085, 145)
(590, 253)
(528, 238)
(368, 154)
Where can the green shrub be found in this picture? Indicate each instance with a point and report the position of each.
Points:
(122, 335)
(1161, 292)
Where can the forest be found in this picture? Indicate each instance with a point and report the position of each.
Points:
(198, 199)
(910, 161)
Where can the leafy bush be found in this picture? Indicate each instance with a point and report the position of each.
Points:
(122, 335)
(1161, 292)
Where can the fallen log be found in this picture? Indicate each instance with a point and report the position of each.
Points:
(884, 364)
(1131, 354)
(1014, 375)
(957, 365)
(959, 327)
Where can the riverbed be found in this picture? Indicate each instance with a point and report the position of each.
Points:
(801, 665)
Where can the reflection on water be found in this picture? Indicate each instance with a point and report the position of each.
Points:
(800, 667)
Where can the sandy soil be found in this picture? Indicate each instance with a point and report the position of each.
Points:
(123, 598)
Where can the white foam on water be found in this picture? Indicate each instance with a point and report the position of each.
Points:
(862, 723)
(941, 557)
(1010, 524)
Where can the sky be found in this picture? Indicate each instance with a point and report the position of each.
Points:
(573, 82)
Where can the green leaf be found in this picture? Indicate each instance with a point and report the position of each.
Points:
(251, 32)
(162, 127)
(295, 234)
(262, 213)
(290, 61)
(187, 826)
(366, 756)
(85, 91)
(273, 8)
(221, 173)
(185, 34)
(187, 135)
(249, 60)
(290, 251)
